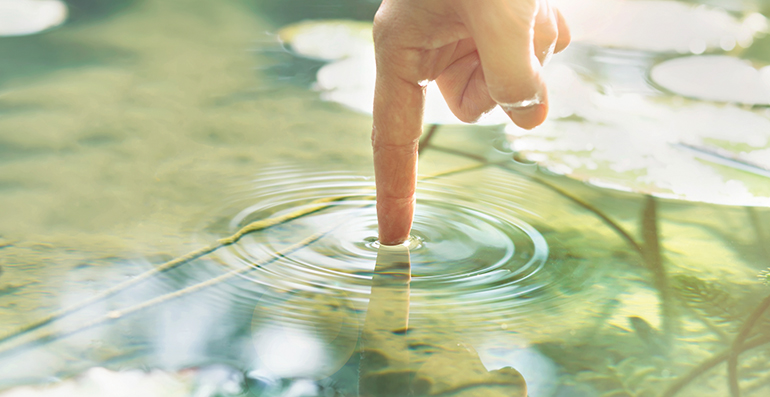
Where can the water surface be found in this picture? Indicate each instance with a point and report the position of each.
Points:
(140, 131)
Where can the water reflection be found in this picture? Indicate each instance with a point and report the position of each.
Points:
(394, 363)
(298, 269)
(385, 359)
(495, 280)
(142, 114)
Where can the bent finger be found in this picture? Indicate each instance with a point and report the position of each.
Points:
(546, 32)
(564, 34)
(502, 31)
(463, 86)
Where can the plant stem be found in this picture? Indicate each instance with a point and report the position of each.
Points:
(762, 239)
(654, 261)
(735, 349)
(117, 314)
(263, 224)
(711, 363)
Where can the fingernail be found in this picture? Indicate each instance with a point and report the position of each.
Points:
(521, 111)
(523, 106)
(527, 117)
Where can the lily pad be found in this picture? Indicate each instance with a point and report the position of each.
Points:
(103, 382)
(24, 17)
(715, 78)
(659, 26)
(692, 150)
(328, 40)
(207, 380)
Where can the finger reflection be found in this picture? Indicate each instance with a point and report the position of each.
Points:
(445, 368)
(385, 369)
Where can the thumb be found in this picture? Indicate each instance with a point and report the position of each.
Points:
(503, 33)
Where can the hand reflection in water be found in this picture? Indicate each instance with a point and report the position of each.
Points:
(388, 369)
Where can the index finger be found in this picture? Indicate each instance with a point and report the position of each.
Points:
(397, 126)
(398, 108)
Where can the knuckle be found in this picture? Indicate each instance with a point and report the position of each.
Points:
(472, 113)
(384, 24)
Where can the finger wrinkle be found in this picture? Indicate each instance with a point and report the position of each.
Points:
(396, 200)
(406, 147)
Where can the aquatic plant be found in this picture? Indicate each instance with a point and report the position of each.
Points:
(764, 276)
(707, 298)
(746, 339)
(735, 350)
(627, 378)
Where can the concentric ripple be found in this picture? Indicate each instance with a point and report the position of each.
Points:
(472, 251)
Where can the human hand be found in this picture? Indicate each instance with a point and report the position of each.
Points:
(481, 54)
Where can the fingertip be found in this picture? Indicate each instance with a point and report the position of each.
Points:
(528, 117)
(529, 113)
(394, 218)
(393, 237)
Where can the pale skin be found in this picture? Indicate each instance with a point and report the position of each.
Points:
(481, 53)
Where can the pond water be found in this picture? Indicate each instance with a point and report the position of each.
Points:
(184, 214)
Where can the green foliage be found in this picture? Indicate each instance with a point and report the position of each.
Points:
(707, 298)
(628, 378)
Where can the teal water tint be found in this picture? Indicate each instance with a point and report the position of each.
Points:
(143, 130)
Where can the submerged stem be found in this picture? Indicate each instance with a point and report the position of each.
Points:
(762, 238)
(263, 224)
(654, 261)
(711, 363)
(735, 349)
(114, 315)
(607, 221)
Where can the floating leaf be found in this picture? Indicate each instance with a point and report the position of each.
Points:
(99, 381)
(719, 78)
(659, 26)
(24, 17)
(626, 141)
(328, 40)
